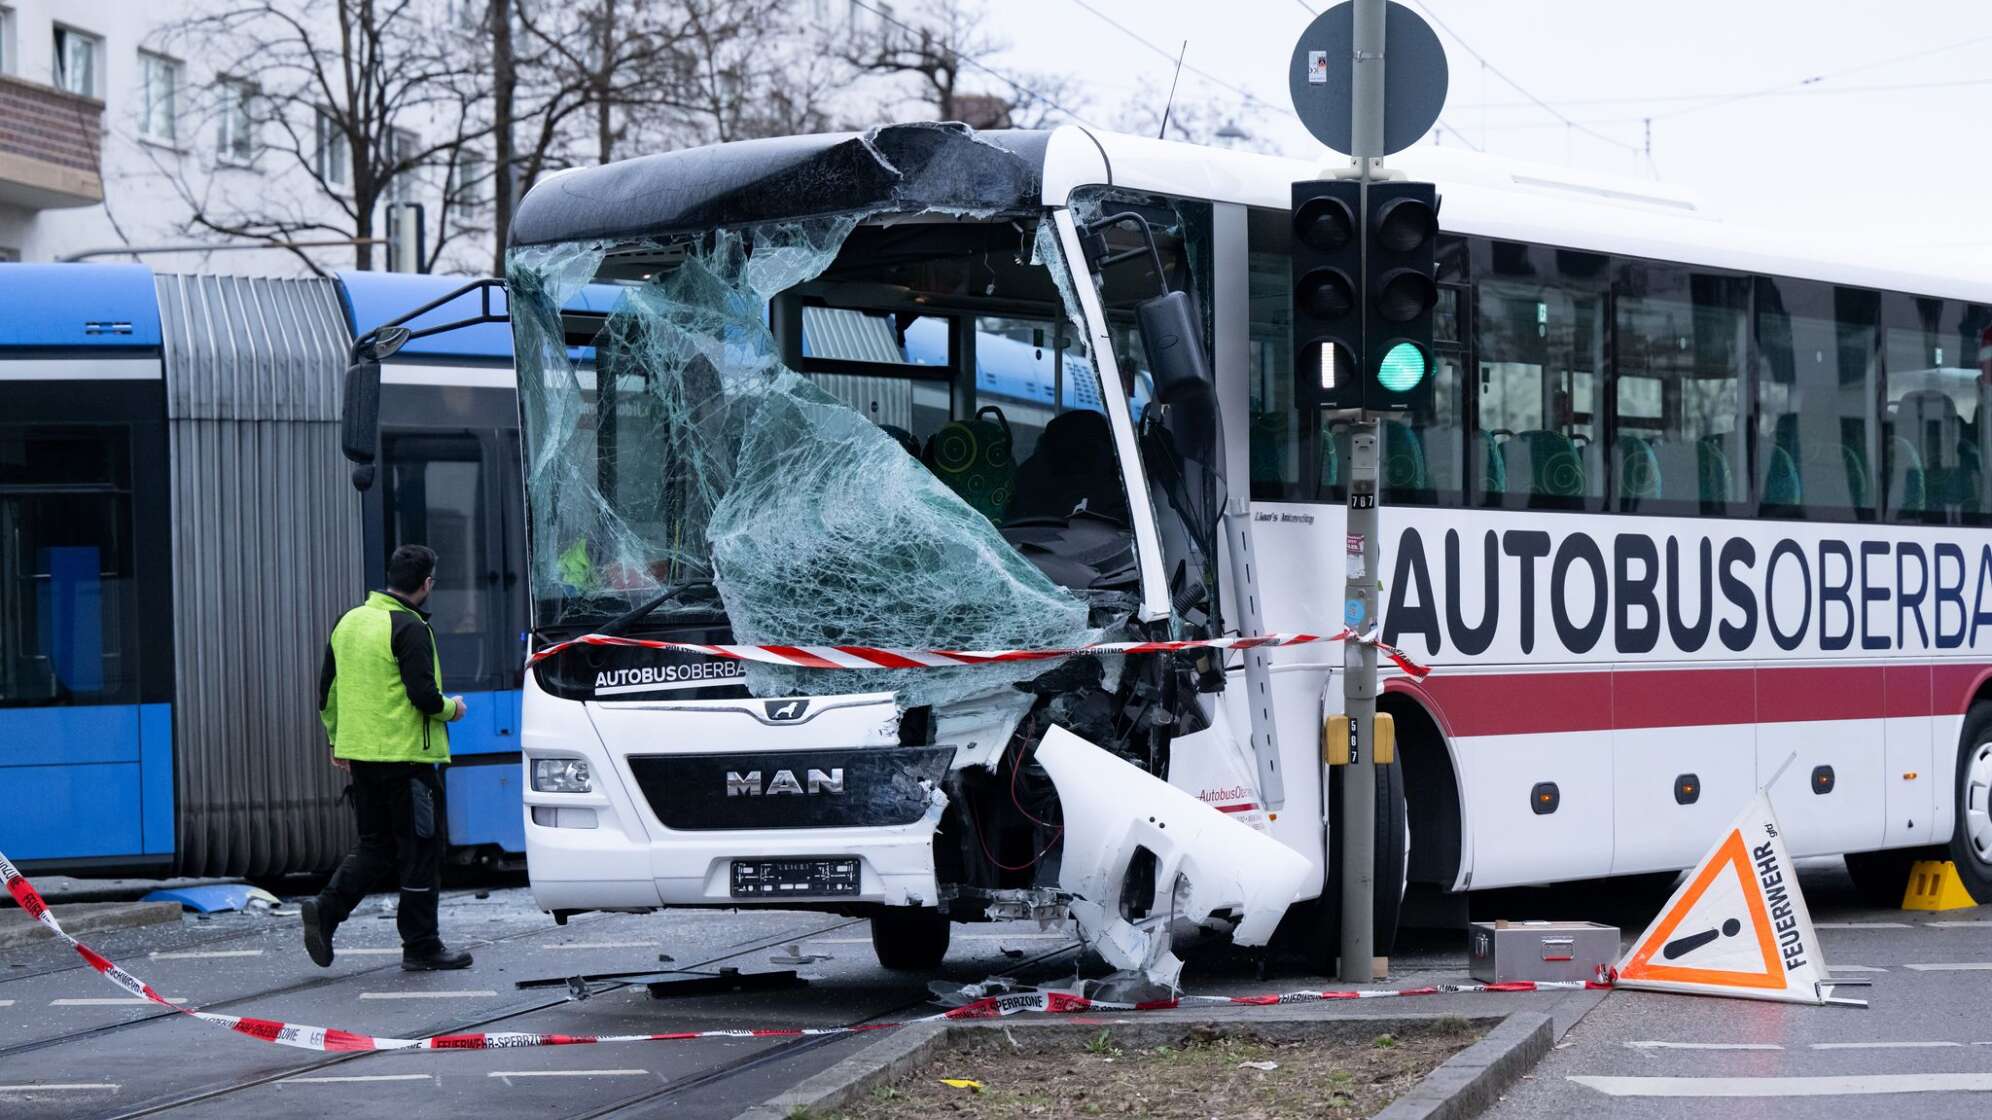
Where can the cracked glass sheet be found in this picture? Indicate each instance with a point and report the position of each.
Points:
(816, 527)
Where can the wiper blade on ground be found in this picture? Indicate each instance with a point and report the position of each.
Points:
(637, 613)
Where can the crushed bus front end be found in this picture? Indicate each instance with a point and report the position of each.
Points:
(845, 393)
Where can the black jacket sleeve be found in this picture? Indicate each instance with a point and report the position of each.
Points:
(328, 671)
(415, 653)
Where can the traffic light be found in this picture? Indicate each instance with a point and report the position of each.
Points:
(1399, 292)
(1327, 308)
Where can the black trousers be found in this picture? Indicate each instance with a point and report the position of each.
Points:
(402, 833)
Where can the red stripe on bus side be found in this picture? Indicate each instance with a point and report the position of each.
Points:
(1545, 703)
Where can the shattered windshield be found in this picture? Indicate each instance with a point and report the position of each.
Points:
(880, 430)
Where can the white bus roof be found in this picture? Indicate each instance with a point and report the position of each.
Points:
(1491, 196)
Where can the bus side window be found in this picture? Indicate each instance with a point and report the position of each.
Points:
(1678, 390)
(1538, 327)
(1274, 423)
(1933, 430)
(1816, 370)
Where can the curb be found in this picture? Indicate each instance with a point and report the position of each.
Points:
(1461, 1087)
(1473, 1079)
(17, 929)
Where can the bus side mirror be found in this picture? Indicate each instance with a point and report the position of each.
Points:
(1172, 338)
(359, 434)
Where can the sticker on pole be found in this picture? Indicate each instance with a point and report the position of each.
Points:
(1737, 927)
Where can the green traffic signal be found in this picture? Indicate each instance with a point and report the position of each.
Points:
(1403, 368)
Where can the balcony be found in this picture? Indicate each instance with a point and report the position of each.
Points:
(51, 144)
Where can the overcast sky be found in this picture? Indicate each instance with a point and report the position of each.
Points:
(1831, 150)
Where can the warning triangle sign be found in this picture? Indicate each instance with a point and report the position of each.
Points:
(1737, 926)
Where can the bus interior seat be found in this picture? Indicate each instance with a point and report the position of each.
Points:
(1268, 443)
(1494, 469)
(903, 437)
(1403, 457)
(1928, 419)
(1548, 460)
(1712, 469)
(1639, 469)
(1331, 456)
(1782, 485)
(973, 457)
(1905, 477)
(1860, 491)
(1072, 465)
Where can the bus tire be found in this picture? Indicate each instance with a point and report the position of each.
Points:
(910, 938)
(1971, 834)
(1319, 929)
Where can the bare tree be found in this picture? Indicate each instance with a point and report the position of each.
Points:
(932, 46)
(1195, 119)
(345, 97)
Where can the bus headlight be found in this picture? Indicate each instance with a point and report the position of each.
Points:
(561, 775)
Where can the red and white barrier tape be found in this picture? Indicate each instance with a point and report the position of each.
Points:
(875, 657)
(1039, 1000)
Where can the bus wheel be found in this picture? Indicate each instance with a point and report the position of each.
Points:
(1316, 927)
(1971, 837)
(909, 938)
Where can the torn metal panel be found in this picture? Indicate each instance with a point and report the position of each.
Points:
(1198, 861)
(908, 168)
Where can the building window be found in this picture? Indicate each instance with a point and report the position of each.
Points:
(236, 141)
(402, 146)
(7, 63)
(78, 58)
(330, 149)
(158, 97)
(468, 179)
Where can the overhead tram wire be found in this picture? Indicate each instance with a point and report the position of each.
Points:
(978, 64)
(1816, 79)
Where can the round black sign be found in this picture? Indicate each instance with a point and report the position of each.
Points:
(1414, 76)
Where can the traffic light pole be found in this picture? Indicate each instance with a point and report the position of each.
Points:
(1358, 807)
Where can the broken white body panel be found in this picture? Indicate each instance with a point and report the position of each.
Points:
(1204, 861)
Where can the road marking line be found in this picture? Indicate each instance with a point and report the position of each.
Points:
(1646, 1045)
(1860, 925)
(608, 945)
(1962, 923)
(206, 955)
(6, 1003)
(1020, 937)
(1853, 968)
(367, 952)
(1858, 1085)
(475, 993)
(357, 1078)
(569, 1073)
(1977, 966)
(1881, 1045)
(72, 1087)
(1643, 1045)
(109, 1001)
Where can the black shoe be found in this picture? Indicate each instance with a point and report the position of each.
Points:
(439, 959)
(317, 933)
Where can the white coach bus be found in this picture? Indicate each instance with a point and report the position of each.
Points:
(1688, 501)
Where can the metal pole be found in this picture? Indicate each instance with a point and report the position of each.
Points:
(1358, 808)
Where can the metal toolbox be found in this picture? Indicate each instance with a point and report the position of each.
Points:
(1498, 952)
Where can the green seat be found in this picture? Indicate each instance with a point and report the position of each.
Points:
(1907, 486)
(1493, 468)
(1718, 481)
(973, 458)
(1639, 469)
(1271, 436)
(1860, 489)
(1549, 461)
(1782, 486)
(1403, 457)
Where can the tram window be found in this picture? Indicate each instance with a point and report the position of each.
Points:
(1934, 435)
(1033, 370)
(67, 585)
(435, 497)
(1816, 370)
(1540, 353)
(1682, 341)
(907, 408)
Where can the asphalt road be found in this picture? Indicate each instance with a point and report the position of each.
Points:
(64, 1053)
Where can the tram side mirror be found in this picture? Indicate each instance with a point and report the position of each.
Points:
(359, 434)
(1172, 338)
